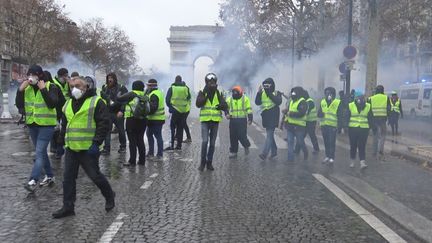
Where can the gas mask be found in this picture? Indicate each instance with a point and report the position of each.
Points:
(294, 95)
(212, 85)
(33, 79)
(236, 94)
(77, 93)
(360, 101)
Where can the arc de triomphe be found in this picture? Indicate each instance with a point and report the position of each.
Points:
(187, 44)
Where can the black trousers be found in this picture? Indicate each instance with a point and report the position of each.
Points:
(177, 124)
(119, 123)
(186, 127)
(394, 122)
(358, 139)
(90, 164)
(135, 129)
(238, 133)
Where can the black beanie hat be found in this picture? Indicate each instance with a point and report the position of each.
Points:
(152, 81)
(62, 71)
(138, 85)
(35, 69)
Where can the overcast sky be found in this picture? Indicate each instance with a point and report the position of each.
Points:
(146, 22)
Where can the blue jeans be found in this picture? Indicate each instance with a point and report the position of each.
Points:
(41, 137)
(270, 143)
(208, 130)
(156, 131)
(329, 137)
(295, 138)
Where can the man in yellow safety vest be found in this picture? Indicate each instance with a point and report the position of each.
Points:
(85, 124)
(240, 116)
(155, 118)
(395, 113)
(37, 100)
(211, 103)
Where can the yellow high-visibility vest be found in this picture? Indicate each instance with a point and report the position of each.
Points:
(299, 121)
(159, 115)
(379, 105)
(239, 108)
(330, 113)
(209, 112)
(36, 110)
(359, 119)
(81, 126)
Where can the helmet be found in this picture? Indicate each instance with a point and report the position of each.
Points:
(238, 89)
(210, 77)
(394, 92)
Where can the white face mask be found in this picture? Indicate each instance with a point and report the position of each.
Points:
(77, 93)
(329, 97)
(33, 79)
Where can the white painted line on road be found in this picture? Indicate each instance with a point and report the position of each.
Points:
(146, 185)
(253, 145)
(154, 175)
(368, 217)
(112, 230)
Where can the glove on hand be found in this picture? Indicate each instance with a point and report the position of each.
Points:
(93, 150)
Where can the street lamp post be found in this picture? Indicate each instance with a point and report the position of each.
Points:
(348, 72)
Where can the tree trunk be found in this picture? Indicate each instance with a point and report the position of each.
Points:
(372, 48)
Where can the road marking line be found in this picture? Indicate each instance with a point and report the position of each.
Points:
(369, 218)
(146, 185)
(252, 144)
(112, 230)
(154, 175)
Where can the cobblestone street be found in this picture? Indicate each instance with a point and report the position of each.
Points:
(243, 200)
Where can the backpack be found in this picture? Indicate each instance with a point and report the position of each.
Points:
(140, 107)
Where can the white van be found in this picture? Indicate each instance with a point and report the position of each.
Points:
(416, 99)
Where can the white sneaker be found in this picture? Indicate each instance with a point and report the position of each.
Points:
(232, 155)
(326, 159)
(31, 185)
(47, 181)
(363, 164)
(331, 161)
(352, 164)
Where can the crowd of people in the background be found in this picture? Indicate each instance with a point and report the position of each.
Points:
(76, 118)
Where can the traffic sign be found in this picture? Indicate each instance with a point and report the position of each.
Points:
(349, 52)
(343, 68)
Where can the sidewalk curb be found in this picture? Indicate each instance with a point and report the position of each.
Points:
(423, 161)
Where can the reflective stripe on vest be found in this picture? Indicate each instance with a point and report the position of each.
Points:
(359, 119)
(299, 121)
(130, 107)
(179, 98)
(81, 126)
(36, 109)
(266, 102)
(159, 115)
(330, 113)
(395, 106)
(312, 116)
(209, 111)
(379, 105)
(239, 108)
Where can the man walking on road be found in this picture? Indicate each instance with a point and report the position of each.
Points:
(155, 118)
(380, 105)
(85, 124)
(269, 99)
(395, 112)
(295, 123)
(212, 103)
(37, 100)
(110, 91)
(178, 100)
(240, 116)
(330, 112)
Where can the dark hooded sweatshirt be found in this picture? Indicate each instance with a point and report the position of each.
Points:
(111, 93)
(101, 117)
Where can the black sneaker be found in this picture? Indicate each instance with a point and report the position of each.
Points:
(169, 148)
(110, 203)
(129, 164)
(105, 152)
(150, 155)
(188, 140)
(141, 162)
(122, 150)
(177, 148)
(63, 212)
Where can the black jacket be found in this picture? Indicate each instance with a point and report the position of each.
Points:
(51, 98)
(101, 117)
(169, 94)
(111, 94)
(270, 117)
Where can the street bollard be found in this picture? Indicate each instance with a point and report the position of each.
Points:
(6, 113)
